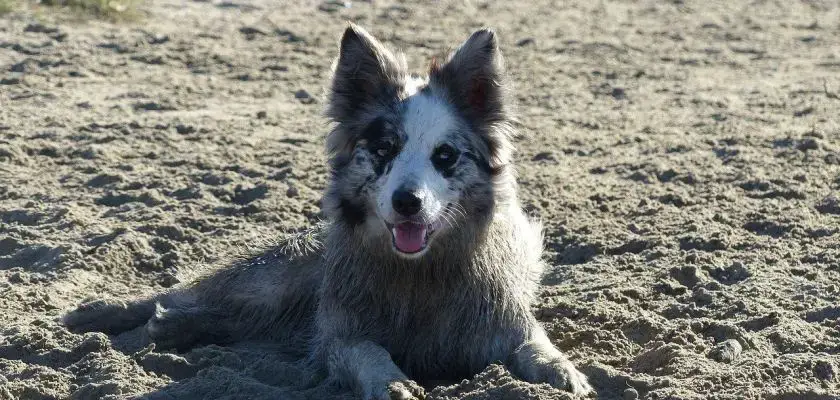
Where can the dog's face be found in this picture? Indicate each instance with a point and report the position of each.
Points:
(421, 169)
(414, 158)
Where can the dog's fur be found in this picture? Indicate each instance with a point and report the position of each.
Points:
(375, 316)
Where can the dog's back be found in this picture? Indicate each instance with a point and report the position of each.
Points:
(263, 295)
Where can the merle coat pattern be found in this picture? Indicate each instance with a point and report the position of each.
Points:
(426, 266)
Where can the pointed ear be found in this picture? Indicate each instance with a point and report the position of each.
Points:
(365, 72)
(473, 77)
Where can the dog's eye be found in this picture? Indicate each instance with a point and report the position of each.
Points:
(383, 148)
(445, 156)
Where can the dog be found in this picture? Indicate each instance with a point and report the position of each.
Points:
(426, 266)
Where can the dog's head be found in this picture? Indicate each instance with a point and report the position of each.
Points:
(413, 158)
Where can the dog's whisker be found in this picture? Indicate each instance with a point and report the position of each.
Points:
(450, 219)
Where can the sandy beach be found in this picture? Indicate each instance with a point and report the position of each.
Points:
(684, 157)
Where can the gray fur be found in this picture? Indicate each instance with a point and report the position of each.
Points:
(365, 74)
(373, 318)
(474, 80)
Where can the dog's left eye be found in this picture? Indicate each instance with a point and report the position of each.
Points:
(445, 156)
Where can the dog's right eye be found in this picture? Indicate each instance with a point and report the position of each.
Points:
(382, 148)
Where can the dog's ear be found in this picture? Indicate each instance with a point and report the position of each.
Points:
(365, 72)
(473, 78)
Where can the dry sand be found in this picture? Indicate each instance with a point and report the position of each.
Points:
(684, 155)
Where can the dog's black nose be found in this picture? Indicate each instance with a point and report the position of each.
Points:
(406, 202)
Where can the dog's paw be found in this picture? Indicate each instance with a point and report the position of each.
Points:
(97, 316)
(562, 374)
(171, 328)
(400, 389)
(405, 390)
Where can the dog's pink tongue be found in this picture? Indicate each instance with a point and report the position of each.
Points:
(409, 237)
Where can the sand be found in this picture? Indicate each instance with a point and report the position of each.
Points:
(683, 155)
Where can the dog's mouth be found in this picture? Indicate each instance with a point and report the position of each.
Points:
(410, 237)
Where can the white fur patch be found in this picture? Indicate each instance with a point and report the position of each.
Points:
(413, 84)
(427, 121)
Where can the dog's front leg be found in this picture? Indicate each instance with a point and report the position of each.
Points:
(369, 370)
(538, 361)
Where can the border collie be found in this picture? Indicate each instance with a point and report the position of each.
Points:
(426, 266)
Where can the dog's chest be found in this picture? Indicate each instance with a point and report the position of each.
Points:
(445, 332)
(436, 323)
